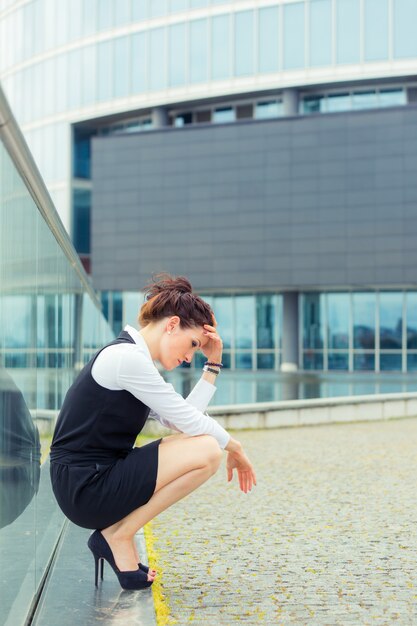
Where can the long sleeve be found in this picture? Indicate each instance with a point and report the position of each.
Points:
(199, 397)
(138, 375)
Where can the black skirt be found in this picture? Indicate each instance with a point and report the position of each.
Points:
(98, 495)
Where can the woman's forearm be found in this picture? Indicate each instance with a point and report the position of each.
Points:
(234, 446)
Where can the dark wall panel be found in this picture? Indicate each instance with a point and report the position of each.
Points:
(312, 202)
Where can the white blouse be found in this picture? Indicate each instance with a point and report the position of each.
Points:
(130, 366)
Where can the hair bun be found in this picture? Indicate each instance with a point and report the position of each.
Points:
(167, 283)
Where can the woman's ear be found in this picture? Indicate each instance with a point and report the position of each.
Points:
(172, 323)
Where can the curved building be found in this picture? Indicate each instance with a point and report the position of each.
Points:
(277, 170)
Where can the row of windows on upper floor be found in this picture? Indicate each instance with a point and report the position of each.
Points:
(265, 40)
(308, 27)
(264, 109)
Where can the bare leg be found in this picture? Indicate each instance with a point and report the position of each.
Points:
(184, 464)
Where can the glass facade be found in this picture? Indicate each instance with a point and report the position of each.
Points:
(250, 325)
(365, 331)
(49, 326)
(59, 61)
(356, 331)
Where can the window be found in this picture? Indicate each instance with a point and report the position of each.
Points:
(271, 108)
(81, 220)
(320, 33)
(157, 70)
(244, 43)
(268, 40)
(376, 29)
(405, 19)
(121, 63)
(138, 55)
(225, 114)
(177, 55)
(183, 119)
(220, 47)
(294, 35)
(198, 51)
(347, 29)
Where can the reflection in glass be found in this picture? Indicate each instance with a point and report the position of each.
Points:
(313, 104)
(222, 307)
(266, 321)
(390, 362)
(411, 316)
(313, 314)
(412, 362)
(320, 33)
(220, 47)
(294, 35)
(347, 25)
(198, 51)
(19, 452)
(81, 220)
(364, 361)
(243, 360)
(390, 321)
(364, 307)
(338, 320)
(266, 361)
(376, 30)
(268, 40)
(338, 360)
(245, 321)
(312, 360)
(244, 43)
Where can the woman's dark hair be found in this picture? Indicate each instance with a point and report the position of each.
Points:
(173, 295)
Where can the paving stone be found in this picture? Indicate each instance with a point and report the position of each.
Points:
(328, 536)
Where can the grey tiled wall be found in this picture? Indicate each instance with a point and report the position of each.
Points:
(326, 201)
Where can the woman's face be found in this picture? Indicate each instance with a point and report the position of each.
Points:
(180, 344)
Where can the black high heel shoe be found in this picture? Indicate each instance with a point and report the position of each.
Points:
(136, 579)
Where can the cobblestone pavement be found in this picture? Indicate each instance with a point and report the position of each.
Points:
(328, 537)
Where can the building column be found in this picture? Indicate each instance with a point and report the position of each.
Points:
(159, 117)
(290, 347)
(290, 102)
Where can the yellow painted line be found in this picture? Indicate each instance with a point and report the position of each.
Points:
(162, 610)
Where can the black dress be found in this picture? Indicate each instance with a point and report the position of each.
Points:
(97, 476)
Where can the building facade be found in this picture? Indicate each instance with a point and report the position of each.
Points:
(266, 149)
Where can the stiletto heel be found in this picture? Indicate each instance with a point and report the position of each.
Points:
(101, 550)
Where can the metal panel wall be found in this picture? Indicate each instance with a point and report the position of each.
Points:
(314, 202)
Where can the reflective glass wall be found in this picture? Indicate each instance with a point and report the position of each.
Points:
(250, 326)
(359, 331)
(49, 325)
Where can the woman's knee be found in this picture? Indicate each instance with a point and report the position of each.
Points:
(212, 452)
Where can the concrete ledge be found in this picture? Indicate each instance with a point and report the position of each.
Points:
(309, 412)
